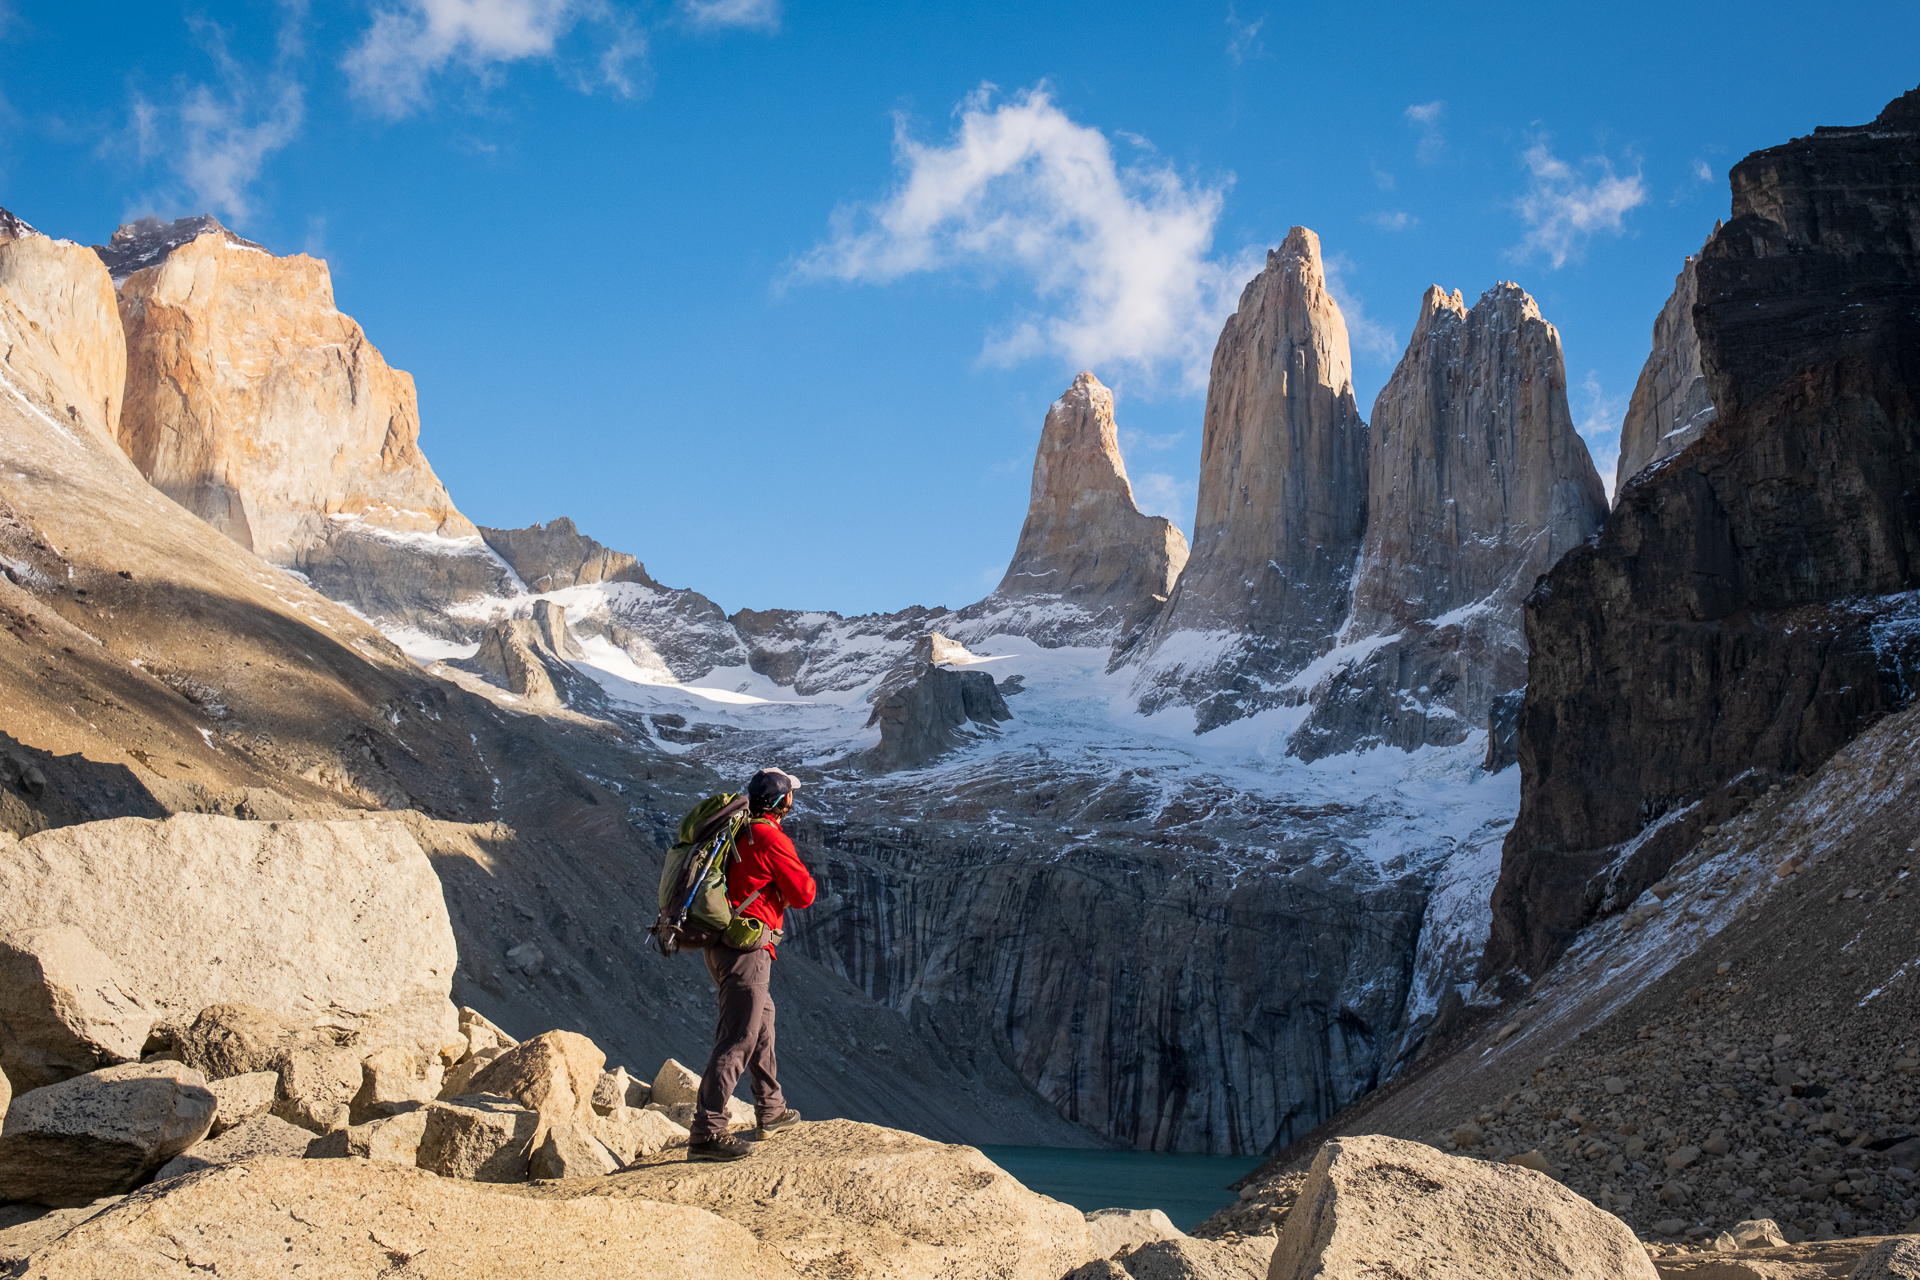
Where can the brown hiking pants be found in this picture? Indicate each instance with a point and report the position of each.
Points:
(742, 1042)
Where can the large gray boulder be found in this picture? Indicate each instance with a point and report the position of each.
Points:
(102, 1133)
(64, 1007)
(1379, 1206)
(334, 923)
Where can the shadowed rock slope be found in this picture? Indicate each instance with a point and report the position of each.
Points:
(1670, 406)
(1740, 1044)
(1750, 605)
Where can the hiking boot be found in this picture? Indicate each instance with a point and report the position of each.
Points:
(785, 1120)
(721, 1149)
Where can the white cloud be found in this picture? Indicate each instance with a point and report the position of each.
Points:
(758, 15)
(1398, 220)
(408, 45)
(217, 137)
(1563, 209)
(1701, 171)
(1243, 39)
(1120, 259)
(1425, 118)
(1364, 335)
(1159, 494)
(1131, 440)
(1598, 422)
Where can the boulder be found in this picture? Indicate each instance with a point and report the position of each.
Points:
(260, 1136)
(1895, 1258)
(630, 1134)
(241, 1098)
(857, 1201)
(479, 1138)
(458, 1079)
(341, 924)
(64, 1008)
(1757, 1233)
(738, 1113)
(232, 1040)
(318, 1081)
(675, 1085)
(554, 1073)
(611, 1090)
(1189, 1259)
(395, 1139)
(6, 1096)
(1376, 1205)
(101, 1133)
(349, 1220)
(1112, 1230)
(27, 1229)
(569, 1150)
(480, 1033)
(394, 1079)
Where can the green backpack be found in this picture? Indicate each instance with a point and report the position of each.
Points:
(694, 911)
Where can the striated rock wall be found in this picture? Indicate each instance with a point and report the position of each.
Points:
(1283, 502)
(1751, 605)
(1090, 567)
(1478, 484)
(63, 347)
(1670, 405)
(258, 406)
(1163, 996)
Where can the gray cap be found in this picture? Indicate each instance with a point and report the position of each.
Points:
(769, 786)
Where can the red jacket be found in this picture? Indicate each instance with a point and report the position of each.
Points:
(769, 862)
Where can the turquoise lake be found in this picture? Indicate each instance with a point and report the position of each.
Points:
(1186, 1188)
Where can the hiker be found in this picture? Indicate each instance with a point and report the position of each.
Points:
(766, 879)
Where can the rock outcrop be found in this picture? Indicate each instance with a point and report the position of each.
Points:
(927, 709)
(1670, 407)
(1749, 606)
(863, 1202)
(1478, 484)
(1380, 1206)
(1283, 503)
(361, 1220)
(61, 335)
(337, 924)
(254, 403)
(528, 657)
(556, 555)
(1090, 567)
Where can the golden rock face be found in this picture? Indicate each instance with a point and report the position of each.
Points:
(258, 406)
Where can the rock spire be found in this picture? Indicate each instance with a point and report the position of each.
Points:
(1282, 507)
(1670, 406)
(1478, 483)
(1090, 567)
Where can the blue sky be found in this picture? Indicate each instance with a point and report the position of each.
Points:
(774, 294)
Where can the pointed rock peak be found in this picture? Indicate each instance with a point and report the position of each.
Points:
(1437, 300)
(1084, 535)
(13, 227)
(1302, 244)
(147, 241)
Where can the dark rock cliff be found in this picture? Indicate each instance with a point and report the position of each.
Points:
(1751, 604)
